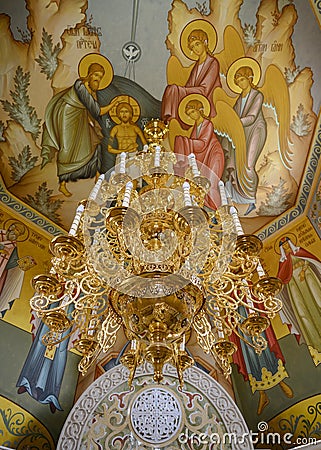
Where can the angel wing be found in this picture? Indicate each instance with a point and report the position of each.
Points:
(175, 129)
(176, 72)
(220, 95)
(228, 124)
(233, 49)
(276, 96)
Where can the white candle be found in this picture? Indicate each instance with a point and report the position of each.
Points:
(182, 344)
(251, 305)
(221, 187)
(228, 196)
(193, 164)
(94, 192)
(219, 331)
(65, 300)
(157, 156)
(145, 148)
(128, 190)
(236, 220)
(122, 164)
(134, 344)
(187, 197)
(76, 221)
(220, 334)
(260, 270)
(92, 329)
(248, 297)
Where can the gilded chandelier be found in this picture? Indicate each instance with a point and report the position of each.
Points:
(145, 254)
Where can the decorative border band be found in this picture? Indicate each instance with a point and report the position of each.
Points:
(304, 192)
(27, 213)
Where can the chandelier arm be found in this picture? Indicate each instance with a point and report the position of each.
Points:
(205, 336)
(109, 328)
(255, 347)
(39, 303)
(227, 244)
(223, 363)
(133, 358)
(88, 359)
(175, 358)
(49, 342)
(206, 339)
(96, 302)
(260, 343)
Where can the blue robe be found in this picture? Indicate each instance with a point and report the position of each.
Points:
(42, 376)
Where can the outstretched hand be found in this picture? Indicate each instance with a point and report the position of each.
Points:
(105, 109)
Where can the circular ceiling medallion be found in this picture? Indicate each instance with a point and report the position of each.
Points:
(131, 51)
(156, 415)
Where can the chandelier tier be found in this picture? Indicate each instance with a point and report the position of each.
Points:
(144, 253)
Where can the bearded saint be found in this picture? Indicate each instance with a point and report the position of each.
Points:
(71, 129)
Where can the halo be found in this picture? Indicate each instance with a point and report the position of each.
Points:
(91, 58)
(242, 62)
(198, 24)
(24, 230)
(181, 108)
(125, 99)
(291, 236)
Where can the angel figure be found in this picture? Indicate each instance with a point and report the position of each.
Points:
(198, 41)
(201, 140)
(241, 119)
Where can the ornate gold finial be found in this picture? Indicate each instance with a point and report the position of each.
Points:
(155, 131)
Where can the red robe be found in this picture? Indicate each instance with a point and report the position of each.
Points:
(209, 156)
(202, 83)
(285, 271)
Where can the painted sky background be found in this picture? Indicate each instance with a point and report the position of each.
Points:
(115, 19)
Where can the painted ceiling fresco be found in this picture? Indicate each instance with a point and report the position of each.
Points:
(44, 59)
(170, 60)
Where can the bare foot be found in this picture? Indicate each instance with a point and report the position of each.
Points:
(63, 189)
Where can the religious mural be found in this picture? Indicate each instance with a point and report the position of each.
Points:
(233, 95)
(27, 366)
(12, 268)
(247, 74)
(293, 337)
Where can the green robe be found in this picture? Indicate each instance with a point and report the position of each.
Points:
(72, 130)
